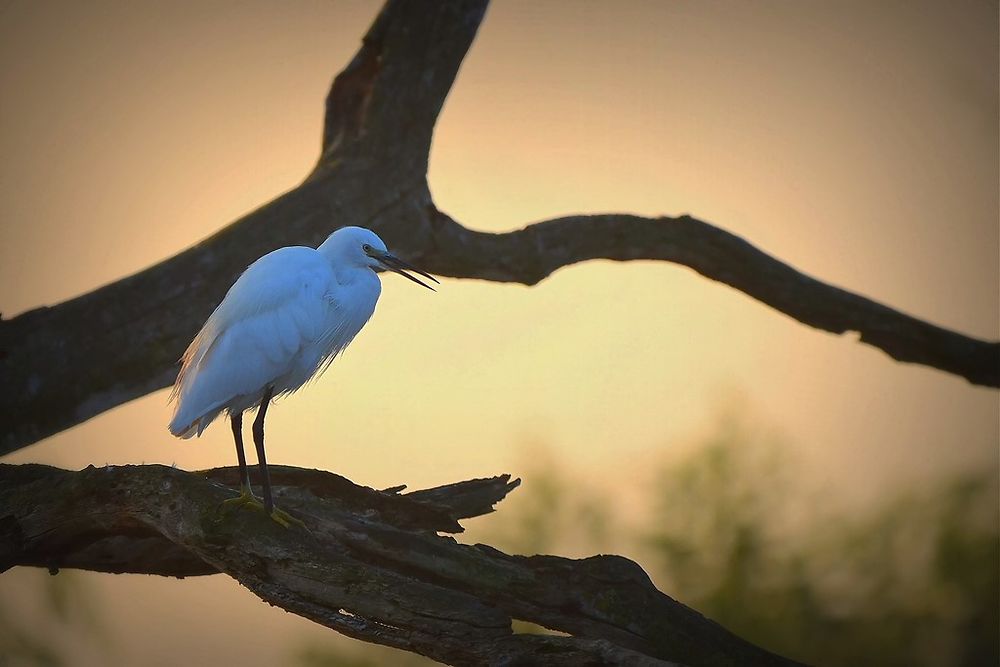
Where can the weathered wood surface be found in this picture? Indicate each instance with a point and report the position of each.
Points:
(371, 565)
(64, 364)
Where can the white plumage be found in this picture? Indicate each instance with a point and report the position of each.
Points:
(288, 314)
(282, 322)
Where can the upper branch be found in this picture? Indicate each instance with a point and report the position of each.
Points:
(382, 107)
(531, 254)
(371, 564)
(62, 365)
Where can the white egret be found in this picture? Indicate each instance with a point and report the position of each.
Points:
(282, 322)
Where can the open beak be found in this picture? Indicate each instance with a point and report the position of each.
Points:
(393, 263)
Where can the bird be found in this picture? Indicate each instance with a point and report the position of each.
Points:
(282, 323)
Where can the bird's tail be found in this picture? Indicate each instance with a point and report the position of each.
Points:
(183, 425)
(182, 428)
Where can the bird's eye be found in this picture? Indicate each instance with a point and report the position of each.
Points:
(366, 248)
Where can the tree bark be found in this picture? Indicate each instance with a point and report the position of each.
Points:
(64, 364)
(370, 564)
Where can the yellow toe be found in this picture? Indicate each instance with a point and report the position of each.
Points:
(285, 519)
(245, 499)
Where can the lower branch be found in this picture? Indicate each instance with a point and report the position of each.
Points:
(370, 565)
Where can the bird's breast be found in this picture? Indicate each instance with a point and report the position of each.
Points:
(351, 305)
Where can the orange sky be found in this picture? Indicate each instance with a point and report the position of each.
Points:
(855, 140)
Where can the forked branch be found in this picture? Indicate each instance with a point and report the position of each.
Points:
(64, 364)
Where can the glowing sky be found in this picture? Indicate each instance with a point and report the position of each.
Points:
(854, 140)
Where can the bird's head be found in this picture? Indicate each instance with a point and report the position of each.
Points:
(362, 247)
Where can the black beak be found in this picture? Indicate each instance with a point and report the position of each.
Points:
(397, 265)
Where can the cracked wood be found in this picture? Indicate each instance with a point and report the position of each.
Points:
(371, 565)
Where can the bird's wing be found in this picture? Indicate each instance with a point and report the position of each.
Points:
(280, 304)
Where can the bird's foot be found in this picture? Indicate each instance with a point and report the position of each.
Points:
(249, 500)
(285, 519)
(245, 499)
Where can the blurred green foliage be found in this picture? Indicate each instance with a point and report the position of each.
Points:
(554, 517)
(20, 646)
(915, 582)
(66, 603)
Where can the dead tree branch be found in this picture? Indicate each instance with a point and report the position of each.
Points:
(531, 254)
(64, 364)
(371, 564)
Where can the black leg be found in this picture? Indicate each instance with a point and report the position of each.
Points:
(237, 423)
(258, 441)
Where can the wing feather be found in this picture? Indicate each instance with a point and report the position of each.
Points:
(278, 306)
